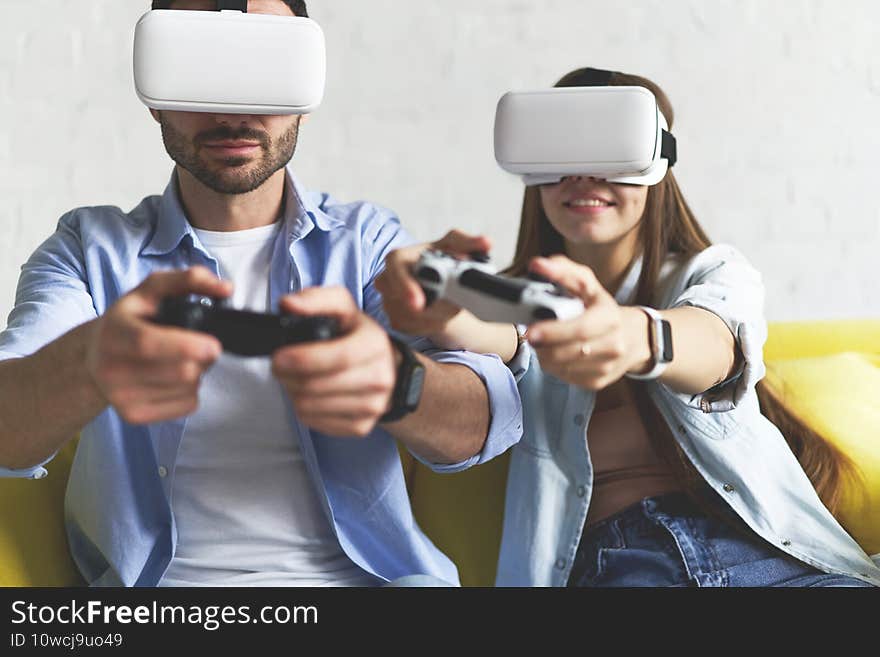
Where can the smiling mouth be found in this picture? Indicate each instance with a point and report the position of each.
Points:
(589, 203)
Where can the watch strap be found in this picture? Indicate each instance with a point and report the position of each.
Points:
(660, 338)
(408, 386)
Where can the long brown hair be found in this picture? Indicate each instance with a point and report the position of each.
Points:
(669, 227)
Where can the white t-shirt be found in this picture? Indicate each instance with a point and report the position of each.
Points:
(246, 509)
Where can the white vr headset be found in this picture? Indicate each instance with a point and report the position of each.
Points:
(613, 133)
(229, 61)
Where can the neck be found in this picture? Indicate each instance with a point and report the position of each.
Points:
(609, 262)
(210, 210)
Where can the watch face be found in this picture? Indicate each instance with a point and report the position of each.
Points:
(667, 341)
(414, 389)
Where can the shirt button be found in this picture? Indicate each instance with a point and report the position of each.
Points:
(163, 471)
(40, 474)
(786, 542)
(579, 419)
(728, 488)
(582, 490)
(560, 563)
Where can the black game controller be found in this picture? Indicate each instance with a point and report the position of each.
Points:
(243, 332)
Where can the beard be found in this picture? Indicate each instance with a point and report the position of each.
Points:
(234, 175)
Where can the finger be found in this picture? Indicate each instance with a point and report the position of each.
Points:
(130, 392)
(171, 374)
(459, 243)
(592, 324)
(397, 282)
(360, 347)
(577, 279)
(362, 380)
(428, 322)
(138, 340)
(144, 300)
(340, 427)
(349, 406)
(582, 354)
(149, 413)
(329, 301)
(132, 373)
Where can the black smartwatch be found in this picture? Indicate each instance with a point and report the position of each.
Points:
(408, 387)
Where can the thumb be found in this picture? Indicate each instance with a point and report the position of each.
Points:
(458, 242)
(327, 301)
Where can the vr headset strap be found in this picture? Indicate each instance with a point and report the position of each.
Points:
(668, 148)
(235, 5)
(593, 77)
(597, 77)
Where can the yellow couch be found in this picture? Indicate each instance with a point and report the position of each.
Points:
(828, 371)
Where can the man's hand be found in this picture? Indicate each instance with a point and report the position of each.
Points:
(404, 300)
(596, 349)
(151, 373)
(340, 387)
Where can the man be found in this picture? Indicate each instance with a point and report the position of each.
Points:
(201, 468)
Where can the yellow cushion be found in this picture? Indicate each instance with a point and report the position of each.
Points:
(787, 340)
(33, 544)
(837, 395)
(463, 514)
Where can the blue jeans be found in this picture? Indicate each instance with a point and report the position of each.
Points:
(670, 541)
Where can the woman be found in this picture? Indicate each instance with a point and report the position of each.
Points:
(676, 481)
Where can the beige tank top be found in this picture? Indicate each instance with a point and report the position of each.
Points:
(626, 466)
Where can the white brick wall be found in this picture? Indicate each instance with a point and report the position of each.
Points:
(778, 120)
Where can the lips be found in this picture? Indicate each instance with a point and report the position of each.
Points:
(232, 147)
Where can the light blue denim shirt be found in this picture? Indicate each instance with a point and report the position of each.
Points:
(738, 452)
(119, 521)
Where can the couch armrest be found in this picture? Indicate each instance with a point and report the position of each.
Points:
(33, 541)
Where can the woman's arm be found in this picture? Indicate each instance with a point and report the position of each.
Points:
(704, 350)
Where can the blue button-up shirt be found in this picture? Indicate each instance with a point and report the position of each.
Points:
(737, 451)
(119, 521)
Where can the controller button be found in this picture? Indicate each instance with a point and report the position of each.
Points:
(428, 274)
(479, 256)
(544, 313)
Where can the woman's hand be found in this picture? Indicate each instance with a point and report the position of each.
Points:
(404, 301)
(445, 324)
(596, 349)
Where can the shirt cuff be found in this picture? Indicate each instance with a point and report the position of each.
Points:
(750, 338)
(505, 406)
(519, 364)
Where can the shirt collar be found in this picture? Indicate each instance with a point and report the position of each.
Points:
(301, 214)
(626, 293)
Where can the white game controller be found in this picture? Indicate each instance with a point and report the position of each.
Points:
(476, 286)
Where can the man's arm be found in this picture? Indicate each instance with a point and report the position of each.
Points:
(344, 386)
(46, 399)
(148, 373)
(452, 421)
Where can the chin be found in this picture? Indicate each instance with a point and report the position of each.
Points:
(590, 235)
